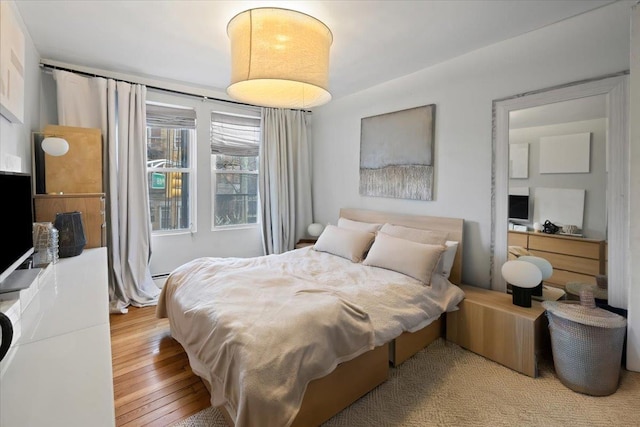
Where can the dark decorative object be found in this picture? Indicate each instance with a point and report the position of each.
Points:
(521, 296)
(71, 239)
(537, 291)
(549, 227)
(6, 335)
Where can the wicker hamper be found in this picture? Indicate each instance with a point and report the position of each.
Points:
(587, 345)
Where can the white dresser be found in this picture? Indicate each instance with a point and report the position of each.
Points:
(58, 372)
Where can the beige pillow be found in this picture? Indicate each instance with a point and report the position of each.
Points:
(358, 225)
(349, 244)
(417, 260)
(446, 259)
(432, 237)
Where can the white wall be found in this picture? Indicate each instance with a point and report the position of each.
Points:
(594, 182)
(590, 45)
(15, 138)
(172, 250)
(633, 337)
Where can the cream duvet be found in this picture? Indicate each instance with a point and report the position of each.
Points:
(260, 329)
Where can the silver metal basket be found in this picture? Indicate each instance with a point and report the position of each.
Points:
(587, 346)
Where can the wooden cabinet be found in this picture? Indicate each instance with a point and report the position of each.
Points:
(489, 324)
(80, 169)
(303, 243)
(92, 207)
(574, 259)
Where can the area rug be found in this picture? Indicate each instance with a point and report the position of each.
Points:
(445, 385)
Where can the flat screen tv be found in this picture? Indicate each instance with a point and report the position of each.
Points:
(16, 217)
(518, 208)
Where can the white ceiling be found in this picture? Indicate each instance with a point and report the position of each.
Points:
(589, 108)
(186, 41)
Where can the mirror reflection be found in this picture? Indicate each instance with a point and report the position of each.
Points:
(557, 207)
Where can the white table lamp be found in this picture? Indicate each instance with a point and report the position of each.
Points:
(55, 146)
(315, 229)
(523, 277)
(545, 268)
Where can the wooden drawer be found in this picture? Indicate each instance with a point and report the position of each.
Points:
(581, 248)
(570, 263)
(518, 239)
(560, 278)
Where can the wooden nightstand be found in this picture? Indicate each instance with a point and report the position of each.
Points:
(489, 324)
(302, 243)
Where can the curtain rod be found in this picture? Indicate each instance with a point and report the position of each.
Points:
(176, 92)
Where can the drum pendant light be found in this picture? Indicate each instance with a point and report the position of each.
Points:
(279, 58)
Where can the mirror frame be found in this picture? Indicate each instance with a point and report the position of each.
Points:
(615, 87)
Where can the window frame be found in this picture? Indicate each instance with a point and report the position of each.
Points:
(214, 175)
(191, 170)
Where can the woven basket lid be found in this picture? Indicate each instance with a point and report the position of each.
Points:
(598, 293)
(585, 315)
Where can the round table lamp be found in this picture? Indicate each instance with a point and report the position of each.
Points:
(545, 268)
(55, 146)
(315, 229)
(523, 277)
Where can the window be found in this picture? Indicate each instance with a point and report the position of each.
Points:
(170, 142)
(235, 145)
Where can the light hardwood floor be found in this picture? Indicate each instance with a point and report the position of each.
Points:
(152, 381)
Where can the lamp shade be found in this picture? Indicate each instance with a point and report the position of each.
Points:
(546, 269)
(521, 273)
(315, 229)
(55, 146)
(279, 58)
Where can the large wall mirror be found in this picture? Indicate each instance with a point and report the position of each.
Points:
(560, 155)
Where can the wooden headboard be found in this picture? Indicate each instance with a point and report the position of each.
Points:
(453, 226)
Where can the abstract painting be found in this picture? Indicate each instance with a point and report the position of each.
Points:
(396, 154)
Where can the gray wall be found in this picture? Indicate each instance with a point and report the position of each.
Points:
(594, 182)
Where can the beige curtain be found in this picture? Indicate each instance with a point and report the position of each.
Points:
(285, 178)
(119, 110)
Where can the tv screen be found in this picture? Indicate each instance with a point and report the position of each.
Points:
(519, 207)
(16, 217)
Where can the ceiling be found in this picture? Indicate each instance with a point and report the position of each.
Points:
(186, 41)
(588, 108)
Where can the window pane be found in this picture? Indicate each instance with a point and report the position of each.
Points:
(236, 199)
(236, 163)
(168, 148)
(169, 200)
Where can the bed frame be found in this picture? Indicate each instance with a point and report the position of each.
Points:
(351, 380)
(409, 343)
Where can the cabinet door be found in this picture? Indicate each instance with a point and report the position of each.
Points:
(80, 170)
(92, 209)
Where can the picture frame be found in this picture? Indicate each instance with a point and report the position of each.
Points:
(396, 154)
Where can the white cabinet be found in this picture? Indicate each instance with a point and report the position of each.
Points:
(59, 373)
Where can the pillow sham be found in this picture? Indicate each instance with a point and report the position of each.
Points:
(345, 243)
(358, 225)
(417, 260)
(432, 237)
(446, 259)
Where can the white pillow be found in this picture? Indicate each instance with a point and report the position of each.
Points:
(446, 259)
(358, 225)
(349, 244)
(432, 237)
(417, 260)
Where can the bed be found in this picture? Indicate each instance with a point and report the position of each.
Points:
(299, 302)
